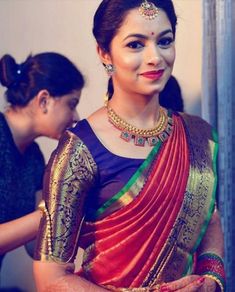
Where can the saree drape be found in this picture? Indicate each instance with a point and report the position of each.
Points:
(164, 214)
(148, 232)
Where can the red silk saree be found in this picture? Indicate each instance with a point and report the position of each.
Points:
(163, 213)
(148, 232)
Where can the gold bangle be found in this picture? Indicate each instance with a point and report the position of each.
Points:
(42, 206)
(216, 280)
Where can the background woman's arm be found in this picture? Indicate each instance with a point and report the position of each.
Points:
(50, 277)
(18, 232)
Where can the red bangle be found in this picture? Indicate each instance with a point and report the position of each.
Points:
(211, 266)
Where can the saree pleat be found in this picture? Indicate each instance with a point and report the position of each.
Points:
(129, 240)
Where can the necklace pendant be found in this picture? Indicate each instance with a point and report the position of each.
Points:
(168, 129)
(163, 136)
(153, 136)
(139, 141)
(170, 121)
(125, 135)
(152, 141)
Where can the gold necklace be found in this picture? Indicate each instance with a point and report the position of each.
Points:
(160, 132)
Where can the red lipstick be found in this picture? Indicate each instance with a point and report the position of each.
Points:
(153, 75)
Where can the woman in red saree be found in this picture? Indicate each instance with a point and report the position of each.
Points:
(134, 184)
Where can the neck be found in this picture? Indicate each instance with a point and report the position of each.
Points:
(141, 111)
(21, 127)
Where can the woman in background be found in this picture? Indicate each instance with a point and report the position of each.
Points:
(133, 184)
(42, 95)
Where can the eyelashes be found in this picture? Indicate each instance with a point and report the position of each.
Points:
(163, 43)
(135, 45)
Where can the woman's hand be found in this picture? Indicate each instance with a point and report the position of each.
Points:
(190, 283)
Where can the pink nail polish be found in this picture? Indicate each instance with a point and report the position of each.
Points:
(165, 289)
(201, 280)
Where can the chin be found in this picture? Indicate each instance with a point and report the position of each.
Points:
(154, 91)
(55, 136)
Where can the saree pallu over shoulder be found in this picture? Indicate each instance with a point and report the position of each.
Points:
(163, 213)
(71, 171)
(199, 200)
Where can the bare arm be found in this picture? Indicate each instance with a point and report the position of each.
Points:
(213, 240)
(50, 277)
(18, 232)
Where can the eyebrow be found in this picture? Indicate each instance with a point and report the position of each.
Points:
(142, 36)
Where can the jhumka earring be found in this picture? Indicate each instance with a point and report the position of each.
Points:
(106, 100)
(148, 10)
(109, 69)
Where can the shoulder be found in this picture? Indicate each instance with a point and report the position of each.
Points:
(197, 126)
(71, 157)
(71, 146)
(81, 129)
(193, 119)
(4, 129)
(35, 159)
(36, 151)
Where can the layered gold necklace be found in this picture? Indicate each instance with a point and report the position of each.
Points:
(160, 132)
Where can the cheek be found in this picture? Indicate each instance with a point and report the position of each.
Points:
(130, 62)
(170, 57)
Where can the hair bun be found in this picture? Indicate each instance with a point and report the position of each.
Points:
(9, 70)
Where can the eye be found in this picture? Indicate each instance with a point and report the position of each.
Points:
(165, 42)
(73, 103)
(135, 45)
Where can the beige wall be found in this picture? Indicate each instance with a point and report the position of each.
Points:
(65, 26)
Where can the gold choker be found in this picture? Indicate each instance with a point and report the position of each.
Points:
(159, 133)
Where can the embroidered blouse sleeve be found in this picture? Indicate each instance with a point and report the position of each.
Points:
(70, 173)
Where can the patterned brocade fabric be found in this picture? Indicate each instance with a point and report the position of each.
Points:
(70, 173)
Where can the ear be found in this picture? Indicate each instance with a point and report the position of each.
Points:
(104, 55)
(43, 98)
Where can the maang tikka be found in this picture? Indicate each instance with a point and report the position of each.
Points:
(148, 10)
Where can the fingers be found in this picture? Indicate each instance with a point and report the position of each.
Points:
(187, 284)
(194, 286)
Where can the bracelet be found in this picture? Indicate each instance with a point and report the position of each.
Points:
(42, 206)
(211, 266)
(140, 289)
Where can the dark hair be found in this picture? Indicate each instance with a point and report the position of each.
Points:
(171, 96)
(51, 71)
(110, 15)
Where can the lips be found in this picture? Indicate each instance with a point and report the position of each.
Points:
(154, 75)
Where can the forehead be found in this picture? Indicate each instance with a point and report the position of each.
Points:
(73, 95)
(135, 23)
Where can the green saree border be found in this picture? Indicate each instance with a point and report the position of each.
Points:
(132, 180)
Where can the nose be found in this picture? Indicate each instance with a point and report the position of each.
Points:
(153, 57)
(76, 117)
